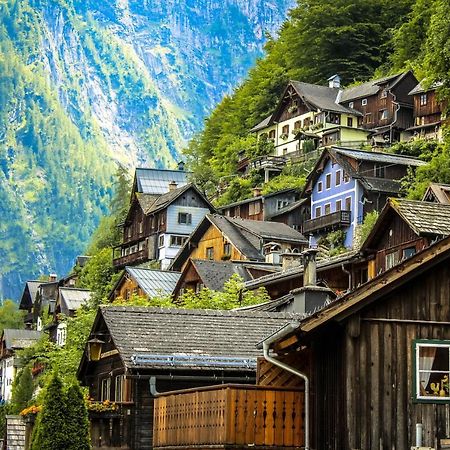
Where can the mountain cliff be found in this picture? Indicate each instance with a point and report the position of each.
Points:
(88, 85)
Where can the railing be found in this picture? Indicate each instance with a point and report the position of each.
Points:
(229, 416)
(333, 220)
(136, 257)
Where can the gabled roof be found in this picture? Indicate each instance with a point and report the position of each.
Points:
(258, 197)
(156, 181)
(154, 282)
(420, 88)
(439, 192)
(17, 339)
(263, 124)
(424, 218)
(158, 338)
(29, 294)
(289, 208)
(375, 289)
(72, 299)
(341, 156)
(370, 87)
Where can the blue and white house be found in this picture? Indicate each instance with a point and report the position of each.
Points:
(346, 184)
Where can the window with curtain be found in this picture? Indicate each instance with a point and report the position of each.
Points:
(432, 360)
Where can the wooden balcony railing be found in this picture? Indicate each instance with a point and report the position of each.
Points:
(336, 219)
(229, 416)
(132, 258)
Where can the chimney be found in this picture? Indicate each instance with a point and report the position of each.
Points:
(257, 191)
(310, 297)
(291, 259)
(172, 186)
(53, 277)
(273, 253)
(334, 81)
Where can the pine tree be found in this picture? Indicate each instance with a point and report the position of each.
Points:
(23, 389)
(77, 420)
(50, 432)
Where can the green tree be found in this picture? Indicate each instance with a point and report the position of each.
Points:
(77, 421)
(10, 316)
(50, 432)
(23, 389)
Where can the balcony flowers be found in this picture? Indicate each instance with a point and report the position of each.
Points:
(102, 407)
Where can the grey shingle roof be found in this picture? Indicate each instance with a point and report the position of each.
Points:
(153, 332)
(72, 299)
(322, 97)
(263, 124)
(156, 181)
(425, 218)
(440, 191)
(154, 282)
(29, 294)
(367, 89)
(17, 339)
(420, 88)
(291, 207)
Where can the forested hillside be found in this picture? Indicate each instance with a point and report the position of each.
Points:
(86, 86)
(353, 38)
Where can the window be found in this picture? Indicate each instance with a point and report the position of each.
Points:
(408, 252)
(297, 124)
(281, 204)
(349, 121)
(210, 253)
(328, 181)
(364, 102)
(423, 99)
(318, 211)
(379, 171)
(383, 93)
(350, 105)
(348, 204)
(105, 389)
(391, 260)
(383, 114)
(432, 369)
(141, 245)
(227, 249)
(285, 129)
(338, 205)
(285, 151)
(177, 241)
(272, 134)
(319, 186)
(346, 178)
(61, 334)
(141, 226)
(254, 208)
(161, 241)
(338, 178)
(368, 118)
(120, 385)
(184, 218)
(327, 208)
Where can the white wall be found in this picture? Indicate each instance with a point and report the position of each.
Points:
(8, 374)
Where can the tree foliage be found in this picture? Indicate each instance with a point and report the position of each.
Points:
(23, 389)
(10, 316)
(77, 421)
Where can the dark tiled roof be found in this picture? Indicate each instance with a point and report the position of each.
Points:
(424, 217)
(252, 199)
(322, 97)
(154, 282)
(440, 191)
(269, 230)
(29, 294)
(272, 305)
(17, 339)
(419, 89)
(263, 124)
(291, 207)
(156, 332)
(146, 201)
(368, 88)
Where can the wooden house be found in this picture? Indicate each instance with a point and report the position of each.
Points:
(157, 225)
(308, 116)
(347, 184)
(221, 238)
(144, 283)
(438, 193)
(428, 113)
(11, 341)
(377, 359)
(135, 353)
(403, 228)
(200, 273)
(384, 104)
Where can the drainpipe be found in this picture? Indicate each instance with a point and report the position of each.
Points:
(266, 348)
(152, 383)
(395, 115)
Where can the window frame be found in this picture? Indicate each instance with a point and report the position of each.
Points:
(364, 102)
(188, 218)
(423, 99)
(209, 253)
(317, 209)
(338, 177)
(328, 181)
(416, 382)
(320, 186)
(106, 380)
(326, 209)
(338, 208)
(175, 237)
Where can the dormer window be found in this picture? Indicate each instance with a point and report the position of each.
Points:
(364, 102)
(350, 105)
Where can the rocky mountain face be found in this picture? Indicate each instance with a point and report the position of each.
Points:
(87, 85)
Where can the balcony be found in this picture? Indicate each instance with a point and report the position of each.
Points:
(272, 163)
(229, 417)
(132, 258)
(338, 219)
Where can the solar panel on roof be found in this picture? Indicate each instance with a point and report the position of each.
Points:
(154, 181)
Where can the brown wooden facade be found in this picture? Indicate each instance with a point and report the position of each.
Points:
(361, 357)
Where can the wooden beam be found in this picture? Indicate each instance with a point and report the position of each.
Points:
(286, 343)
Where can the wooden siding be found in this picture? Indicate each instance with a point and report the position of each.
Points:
(214, 238)
(430, 112)
(127, 288)
(230, 416)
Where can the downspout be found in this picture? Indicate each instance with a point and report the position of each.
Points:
(395, 115)
(349, 276)
(266, 348)
(152, 384)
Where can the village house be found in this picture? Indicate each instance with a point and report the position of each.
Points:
(428, 113)
(135, 353)
(157, 225)
(221, 238)
(346, 184)
(281, 206)
(11, 341)
(404, 228)
(376, 360)
(438, 193)
(147, 283)
(204, 273)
